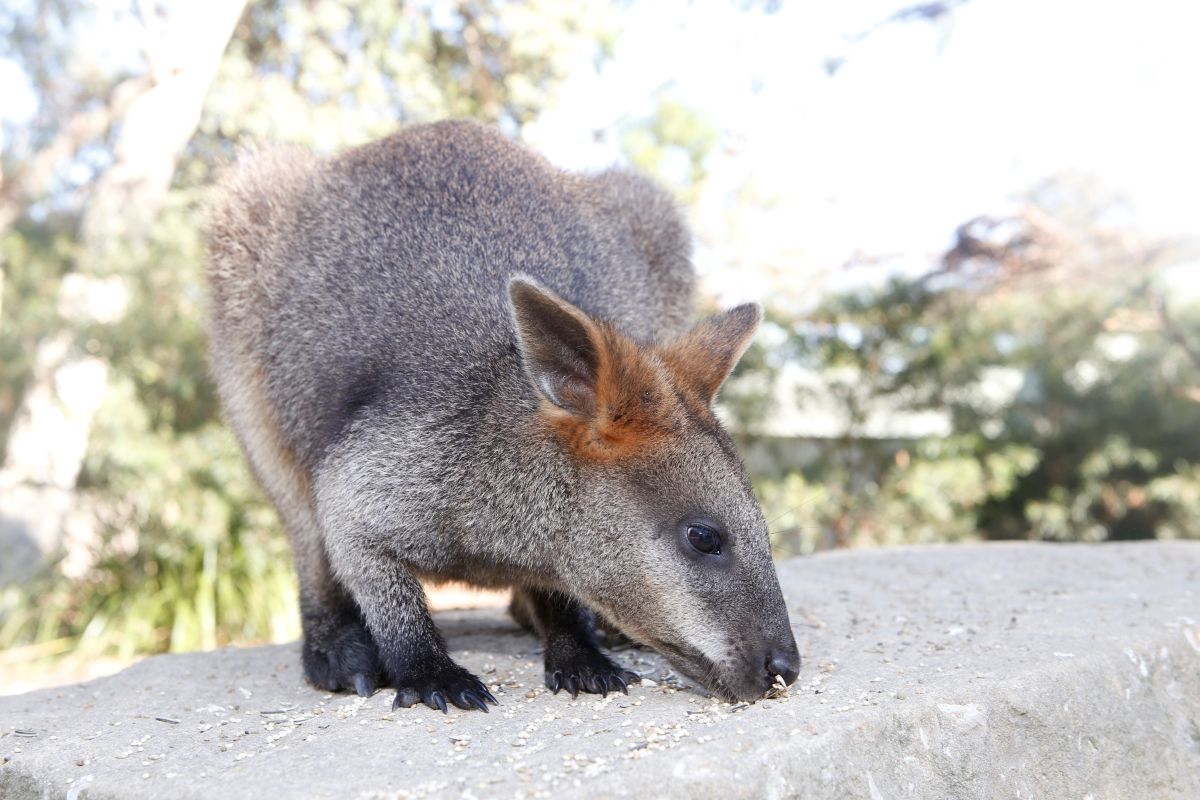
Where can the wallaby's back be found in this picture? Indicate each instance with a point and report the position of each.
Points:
(383, 272)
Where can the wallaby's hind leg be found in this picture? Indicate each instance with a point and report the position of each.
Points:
(338, 653)
(568, 628)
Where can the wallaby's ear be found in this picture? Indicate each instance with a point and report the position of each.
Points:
(704, 356)
(559, 346)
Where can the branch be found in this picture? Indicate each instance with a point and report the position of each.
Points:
(921, 12)
(932, 12)
(34, 179)
(1173, 332)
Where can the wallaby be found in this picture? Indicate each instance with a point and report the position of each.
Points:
(446, 358)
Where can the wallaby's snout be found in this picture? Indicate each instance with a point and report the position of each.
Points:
(783, 661)
(779, 660)
(762, 650)
(773, 658)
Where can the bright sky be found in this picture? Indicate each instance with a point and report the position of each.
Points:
(923, 127)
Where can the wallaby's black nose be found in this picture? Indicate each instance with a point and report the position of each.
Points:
(787, 666)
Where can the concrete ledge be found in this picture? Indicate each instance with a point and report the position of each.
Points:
(1012, 671)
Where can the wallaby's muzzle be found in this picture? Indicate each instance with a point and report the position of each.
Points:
(734, 641)
(761, 668)
(747, 678)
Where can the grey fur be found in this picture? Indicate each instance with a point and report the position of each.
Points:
(365, 348)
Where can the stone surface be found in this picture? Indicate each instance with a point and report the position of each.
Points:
(1010, 671)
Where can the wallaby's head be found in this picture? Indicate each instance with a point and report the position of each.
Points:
(665, 537)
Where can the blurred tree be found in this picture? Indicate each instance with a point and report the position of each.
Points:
(1073, 392)
(671, 144)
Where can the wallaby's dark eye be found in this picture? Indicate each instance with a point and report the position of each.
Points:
(704, 539)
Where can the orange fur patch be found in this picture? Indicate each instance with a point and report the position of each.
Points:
(703, 357)
(636, 403)
(641, 400)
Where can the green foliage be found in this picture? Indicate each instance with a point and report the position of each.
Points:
(185, 553)
(34, 257)
(191, 559)
(877, 494)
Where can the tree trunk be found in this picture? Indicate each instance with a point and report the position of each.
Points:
(49, 436)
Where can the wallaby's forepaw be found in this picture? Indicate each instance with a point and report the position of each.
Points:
(585, 669)
(446, 681)
(341, 657)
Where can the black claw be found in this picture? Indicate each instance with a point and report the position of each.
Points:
(362, 685)
(468, 699)
(405, 698)
(443, 685)
(586, 671)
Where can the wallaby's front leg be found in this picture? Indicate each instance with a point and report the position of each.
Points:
(411, 650)
(568, 628)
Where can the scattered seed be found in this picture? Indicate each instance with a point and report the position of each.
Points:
(168, 720)
(23, 732)
(778, 689)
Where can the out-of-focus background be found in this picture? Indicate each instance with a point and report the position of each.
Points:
(973, 223)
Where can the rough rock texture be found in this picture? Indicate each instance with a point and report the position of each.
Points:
(1011, 671)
